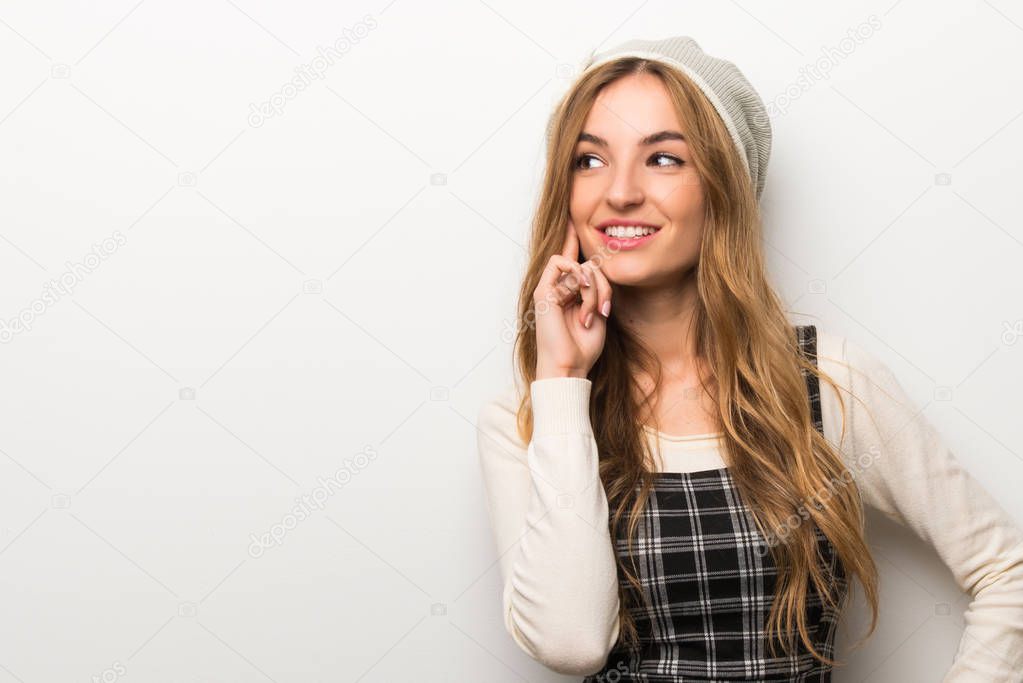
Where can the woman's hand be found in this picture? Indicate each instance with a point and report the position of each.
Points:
(572, 302)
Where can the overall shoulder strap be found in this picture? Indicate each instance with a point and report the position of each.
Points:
(807, 336)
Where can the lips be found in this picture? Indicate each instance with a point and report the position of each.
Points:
(621, 234)
(625, 222)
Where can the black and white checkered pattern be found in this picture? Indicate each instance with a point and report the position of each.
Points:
(710, 579)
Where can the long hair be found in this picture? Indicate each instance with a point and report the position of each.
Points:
(776, 456)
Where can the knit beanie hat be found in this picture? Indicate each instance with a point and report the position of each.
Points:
(735, 100)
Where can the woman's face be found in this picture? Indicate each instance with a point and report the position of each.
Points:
(633, 169)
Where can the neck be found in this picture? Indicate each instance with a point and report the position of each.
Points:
(662, 317)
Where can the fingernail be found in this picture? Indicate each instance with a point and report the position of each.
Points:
(606, 309)
(589, 319)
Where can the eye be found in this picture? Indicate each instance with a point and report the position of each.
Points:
(665, 160)
(582, 162)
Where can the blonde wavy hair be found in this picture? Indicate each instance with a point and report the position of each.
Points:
(776, 456)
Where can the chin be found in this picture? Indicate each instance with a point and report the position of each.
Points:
(631, 275)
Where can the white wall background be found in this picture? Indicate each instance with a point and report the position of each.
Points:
(333, 286)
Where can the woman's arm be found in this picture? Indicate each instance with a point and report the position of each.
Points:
(905, 470)
(549, 514)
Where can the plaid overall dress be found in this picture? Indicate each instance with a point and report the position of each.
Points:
(709, 579)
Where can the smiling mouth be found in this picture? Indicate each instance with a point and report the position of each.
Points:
(628, 231)
(626, 237)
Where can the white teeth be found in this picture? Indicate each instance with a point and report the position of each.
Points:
(630, 231)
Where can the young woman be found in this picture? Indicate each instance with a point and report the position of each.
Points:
(679, 493)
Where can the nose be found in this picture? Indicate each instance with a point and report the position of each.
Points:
(625, 191)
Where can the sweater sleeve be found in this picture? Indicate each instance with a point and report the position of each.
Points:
(549, 515)
(906, 471)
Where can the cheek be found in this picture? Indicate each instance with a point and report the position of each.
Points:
(583, 204)
(682, 202)
(584, 198)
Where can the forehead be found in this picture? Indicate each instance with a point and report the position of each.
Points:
(631, 107)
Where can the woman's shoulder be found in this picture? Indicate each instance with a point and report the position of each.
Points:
(497, 423)
(500, 405)
(850, 363)
(865, 390)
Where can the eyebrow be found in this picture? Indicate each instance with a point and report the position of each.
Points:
(651, 139)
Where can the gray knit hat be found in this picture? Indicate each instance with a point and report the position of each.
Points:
(735, 100)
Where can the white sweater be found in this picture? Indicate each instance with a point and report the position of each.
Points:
(549, 514)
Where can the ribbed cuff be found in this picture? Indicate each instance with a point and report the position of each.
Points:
(561, 405)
